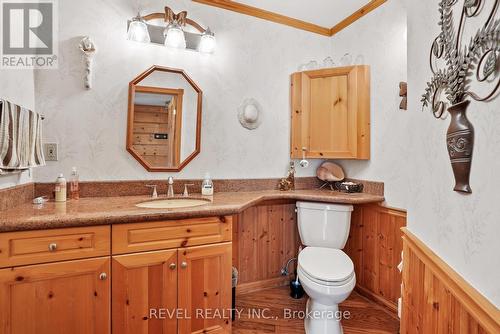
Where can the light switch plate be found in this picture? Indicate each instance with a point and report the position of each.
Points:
(50, 151)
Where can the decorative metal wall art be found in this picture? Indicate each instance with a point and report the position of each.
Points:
(461, 64)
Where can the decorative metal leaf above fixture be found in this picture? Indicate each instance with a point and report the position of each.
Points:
(453, 80)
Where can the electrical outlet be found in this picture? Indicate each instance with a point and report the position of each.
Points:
(50, 151)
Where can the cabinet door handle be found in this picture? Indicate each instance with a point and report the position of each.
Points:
(52, 247)
(184, 265)
(172, 266)
(103, 276)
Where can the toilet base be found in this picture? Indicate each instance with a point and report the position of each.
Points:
(322, 319)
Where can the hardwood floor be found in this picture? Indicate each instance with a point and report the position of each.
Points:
(365, 316)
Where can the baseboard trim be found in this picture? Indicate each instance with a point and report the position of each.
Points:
(245, 288)
(390, 306)
(476, 305)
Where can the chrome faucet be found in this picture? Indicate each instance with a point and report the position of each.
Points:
(155, 193)
(170, 192)
(186, 193)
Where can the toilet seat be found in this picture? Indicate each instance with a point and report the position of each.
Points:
(326, 266)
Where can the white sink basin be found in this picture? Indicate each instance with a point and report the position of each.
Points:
(173, 203)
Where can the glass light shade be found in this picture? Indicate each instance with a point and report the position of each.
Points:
(138, 31)
(207, 42)
(174, 36)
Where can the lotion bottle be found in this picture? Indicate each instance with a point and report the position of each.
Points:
(207, 186)
(60, 189)
(74, 186)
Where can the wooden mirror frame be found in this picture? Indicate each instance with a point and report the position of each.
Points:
(133, 88)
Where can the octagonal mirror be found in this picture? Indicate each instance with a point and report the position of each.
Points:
(164, 119)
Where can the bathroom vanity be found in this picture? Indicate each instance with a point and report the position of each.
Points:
(144, 271)
(126, 269)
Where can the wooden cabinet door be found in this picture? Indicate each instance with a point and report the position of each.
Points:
(205, 289)
(145, 293)
(65, 297)
(331, 113)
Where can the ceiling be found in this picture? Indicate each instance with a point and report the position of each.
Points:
(325, 13)
(324, 17)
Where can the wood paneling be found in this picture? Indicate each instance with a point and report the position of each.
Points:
(375, 246)
(365, 316)
(438, 300)
(290, 21)
(129, 238)
(148, 119)
(65, 297)
(143, 282)
(265, 236)
(331, 113)
(204, 284)
(32, 247)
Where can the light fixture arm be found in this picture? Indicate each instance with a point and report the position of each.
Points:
(169, 17)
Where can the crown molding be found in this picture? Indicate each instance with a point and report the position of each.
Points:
(290, 21)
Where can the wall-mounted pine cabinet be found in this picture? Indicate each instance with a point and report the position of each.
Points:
(331, 113)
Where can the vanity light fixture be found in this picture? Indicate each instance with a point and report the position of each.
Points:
(174, 33)
(174, 36)
(207, 43)
(138, 30)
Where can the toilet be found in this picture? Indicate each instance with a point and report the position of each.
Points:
(325, 271)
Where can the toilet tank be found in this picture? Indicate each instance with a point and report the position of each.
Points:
(323, 224)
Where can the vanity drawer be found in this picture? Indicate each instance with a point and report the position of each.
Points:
(31, 247)
(139, 237)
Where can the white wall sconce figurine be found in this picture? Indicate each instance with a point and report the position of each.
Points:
(88, 49)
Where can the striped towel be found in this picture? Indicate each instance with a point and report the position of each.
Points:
(20, 138)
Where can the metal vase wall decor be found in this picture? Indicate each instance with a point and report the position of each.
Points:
(455, 65)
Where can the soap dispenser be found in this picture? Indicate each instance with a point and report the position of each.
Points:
(207, 186)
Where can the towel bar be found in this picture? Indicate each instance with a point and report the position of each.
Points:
(43, 116)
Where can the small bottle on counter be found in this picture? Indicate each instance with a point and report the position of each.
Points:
(207, 186)
(74, 186)
(60, 189)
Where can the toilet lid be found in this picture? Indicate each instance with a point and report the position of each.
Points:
(326, 264)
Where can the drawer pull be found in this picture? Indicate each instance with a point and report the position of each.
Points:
(103, 276)
(53, 247)
(184, 265)
(172, 266)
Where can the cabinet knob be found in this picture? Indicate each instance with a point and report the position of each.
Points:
(172, 266)
(52, 247)
(103, 276)
(184, 265)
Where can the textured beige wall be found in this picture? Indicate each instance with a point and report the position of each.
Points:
(17, 86)
(461, 229)
(254, 59)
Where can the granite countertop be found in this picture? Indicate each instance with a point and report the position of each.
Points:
(117, 210)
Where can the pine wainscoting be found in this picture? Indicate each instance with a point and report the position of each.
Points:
(438, 300)
(375, 247)
(264, 238)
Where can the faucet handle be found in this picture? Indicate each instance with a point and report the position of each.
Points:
(186, 193)
(155, 193)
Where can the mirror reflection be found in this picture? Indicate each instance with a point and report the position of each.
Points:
(164, 119)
